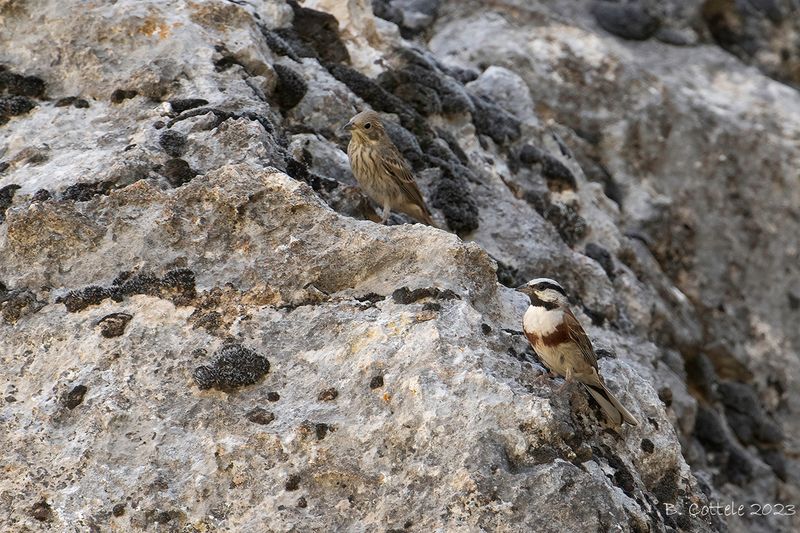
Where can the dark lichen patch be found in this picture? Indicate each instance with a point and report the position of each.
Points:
(290, 88)
(79, 300)
(301, 502)
(292, 483)
(178, 172)
(234, 366)
(558, 176)
(508, 275)
(16, 303)
(177, 285)
(42, 511)
(279, 45)
(630, 21)
(7, 198)
(571, 226)
(493, 121)
(114, 325)
(328, 395)
(179, 105)
(320, 31)
(120, 95)
(299, 171)
(173, 142)
(376, 382)
(665, 395)
(75, 397)
(405, 296)
(260, 416)
(453, 197)
(83, 192)
(17, 85)
(118, 509)
(321, 430)
(603, 257)
(41, 195)
(12, 106)
(73, 101)
(381, 100)
(424, 85)
(647, 446)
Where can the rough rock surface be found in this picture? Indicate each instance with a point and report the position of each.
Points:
(202, 328)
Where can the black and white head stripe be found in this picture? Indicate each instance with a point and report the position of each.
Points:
(543, 284)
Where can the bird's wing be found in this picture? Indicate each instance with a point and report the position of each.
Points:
(579, 337)
(395, 166)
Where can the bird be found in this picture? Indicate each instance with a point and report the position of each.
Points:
(381, 170)
(563, 346)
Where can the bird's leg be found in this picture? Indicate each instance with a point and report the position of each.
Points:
(387, 210)
(544, 376)
(567, 381)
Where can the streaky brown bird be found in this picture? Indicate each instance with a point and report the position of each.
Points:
(563, 345)
(381, 170)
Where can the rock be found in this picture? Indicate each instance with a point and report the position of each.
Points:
(200, 216)
(629, 21)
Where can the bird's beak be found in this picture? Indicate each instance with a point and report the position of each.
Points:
(524, 289)
(347, 127)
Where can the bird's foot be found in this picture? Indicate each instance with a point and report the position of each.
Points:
(564, 386)
(544, 376)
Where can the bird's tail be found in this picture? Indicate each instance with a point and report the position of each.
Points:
(614, 410)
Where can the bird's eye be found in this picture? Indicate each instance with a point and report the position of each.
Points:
(367, 126)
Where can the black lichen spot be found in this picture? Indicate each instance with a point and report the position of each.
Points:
(508, 275)
(260, 416)
(273, 396)
(380, 99)
(301, 502)
(603, 257)
(493, 121)
(234, 366)
(12, 106)
(80, 299)
(328, 395)
(665, 395)
(4, 166)
(80, 103)
(66, 101)
(290, 89)
(405, 296)
(179, 105)
(648, 446)
(321, 430)
(75, 397)
(709, 430)
(7, 198)
(114, 325)
(486, 329)
(16, 303)
(629, 21)
(118, 510)
(432, 306)
(571, 226)
(299, 171)
(320, 30)
(83, 192)
(293, 483)
(119, 95)
(18, 85)
(452, 196)
(178, 172)
(42, 511)
(173, 142)
(558, 176)
(279, 45)
(41, 195)
(376, 382)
